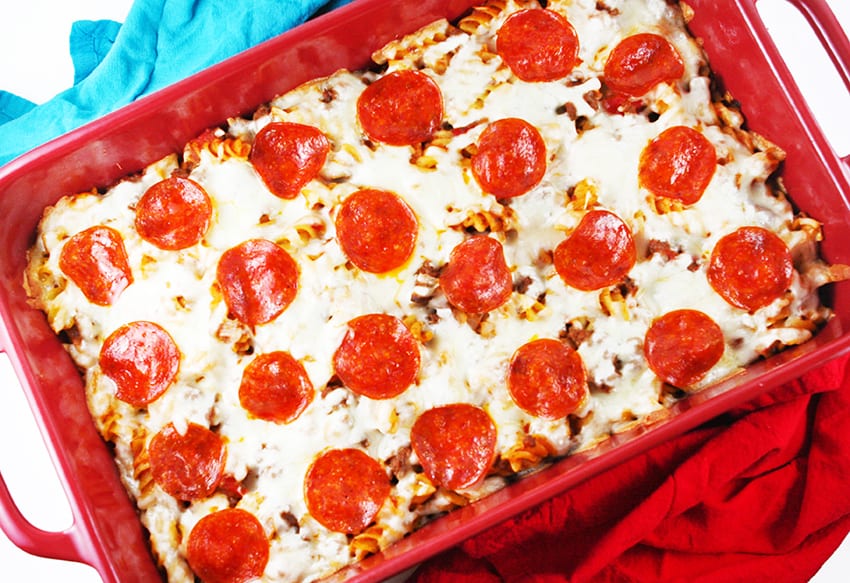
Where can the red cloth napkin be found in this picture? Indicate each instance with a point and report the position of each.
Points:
(762, 494)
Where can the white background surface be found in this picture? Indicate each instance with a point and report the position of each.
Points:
(34, 63)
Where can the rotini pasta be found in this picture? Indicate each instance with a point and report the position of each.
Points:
(339, 333)
(482, 16)
(528, 454)
(217, 144)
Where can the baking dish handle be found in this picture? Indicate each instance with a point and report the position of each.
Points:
(832, 37)
(64, 545)
(830, 34)
(48, 544)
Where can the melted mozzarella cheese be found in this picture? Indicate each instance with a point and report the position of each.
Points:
(461, 361)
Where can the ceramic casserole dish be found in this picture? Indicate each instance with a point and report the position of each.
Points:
(105, 532)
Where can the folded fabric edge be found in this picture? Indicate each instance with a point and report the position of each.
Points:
(89, 43)
(13, 106)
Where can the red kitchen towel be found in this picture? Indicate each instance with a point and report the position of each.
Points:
(762, 494)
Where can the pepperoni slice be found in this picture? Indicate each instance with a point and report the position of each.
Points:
(402, 108)
(640, 62)
(258, 279)
(173, 213)
(681, 346)
(477, 279)
(511, 158)
(598, 253)
(96, 261)
(378, 357)
(547, 379)
(142, 359)
(455, 444)
(538, 45)
(750, 268)
(678, 164)
(288, 155)
(228, 546)
(275, 387)
(345, 489)
(376, 230)
(188, 466)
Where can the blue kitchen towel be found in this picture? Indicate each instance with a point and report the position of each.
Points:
(161, 42)
(90, 42)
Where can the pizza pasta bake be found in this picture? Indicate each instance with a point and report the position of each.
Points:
(392, 291)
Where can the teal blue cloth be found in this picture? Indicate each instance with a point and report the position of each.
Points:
(90, 41)
(161, 42)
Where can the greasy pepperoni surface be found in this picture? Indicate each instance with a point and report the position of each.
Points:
(476, 278)
(640, 62)
(538, 45)
(142, 359)
(275, 387)
(455, 444)
(598, 253)
(258, 279)
(678, 164)
(378, 357)
(344, 490)
(547, 379)
(96, 261)
(173, 214)
(288, 155)
(750, 268)
(228, 546)
(376, 230)
(188, 466)
(401, 108)
(511, 158)
(681, 346)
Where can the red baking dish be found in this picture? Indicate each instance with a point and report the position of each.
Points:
(105, 532)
